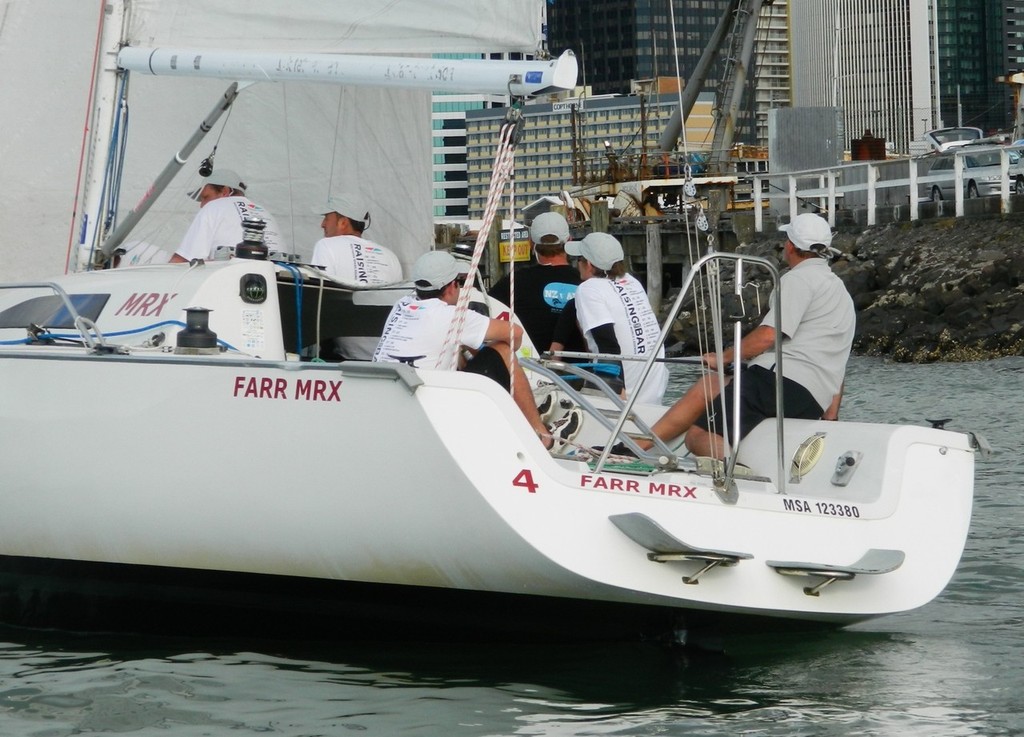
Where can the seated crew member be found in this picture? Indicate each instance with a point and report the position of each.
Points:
(817, 321)
(615, 315)
(222, 207)
(351, 259)
(417, 329)
(344, 253)
(543, 290)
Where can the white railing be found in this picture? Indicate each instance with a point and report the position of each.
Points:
(870, 185)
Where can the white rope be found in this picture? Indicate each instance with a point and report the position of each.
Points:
(504, 161)
(513, 357)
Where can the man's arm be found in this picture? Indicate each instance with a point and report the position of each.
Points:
(754, 343)
(832, 413)
(504, 331)
(604, 337)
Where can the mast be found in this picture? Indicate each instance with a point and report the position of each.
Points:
(103, 110)
(734, 83)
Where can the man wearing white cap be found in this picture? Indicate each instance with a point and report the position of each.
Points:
(417, 334)
(817, 322)
(615, 315)
(353, 260)
(542, 290)
(222, 207)
(344, 253)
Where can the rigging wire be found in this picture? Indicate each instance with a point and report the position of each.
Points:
(334, 148)
(511, 130)
(706, 288)
(288, 159)
(90, 99)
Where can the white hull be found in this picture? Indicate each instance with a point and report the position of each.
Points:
(377, 473)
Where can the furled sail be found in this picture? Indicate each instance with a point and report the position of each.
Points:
(340, 26)
(294, 142)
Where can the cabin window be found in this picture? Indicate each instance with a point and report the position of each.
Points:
(49, 311)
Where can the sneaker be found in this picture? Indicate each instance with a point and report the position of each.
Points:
(619, 449)
(546, 405)
(565, 430)
(553, 407)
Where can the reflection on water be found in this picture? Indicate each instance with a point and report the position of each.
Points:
(842, 683)
(954, 667)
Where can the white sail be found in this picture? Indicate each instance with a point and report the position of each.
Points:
(340, 26)
(292, 142)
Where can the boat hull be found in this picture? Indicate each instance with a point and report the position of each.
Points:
(377, 476)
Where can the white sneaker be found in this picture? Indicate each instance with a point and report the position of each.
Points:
(565, 430)
(553, 407)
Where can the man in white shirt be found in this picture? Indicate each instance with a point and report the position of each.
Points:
(615, 315)
(222, 207)
(417, 333)
(353, 260)
(344, 253)
(817, 322)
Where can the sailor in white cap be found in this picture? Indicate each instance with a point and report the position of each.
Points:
(349, 258)
(416, 333)
(817, 322)
(343, 252)
(222, 207)
(543, 290)
(615, 315)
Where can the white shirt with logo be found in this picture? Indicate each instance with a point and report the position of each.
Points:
(219, 223)
(416, 332)
(354, 260)
(623, 303)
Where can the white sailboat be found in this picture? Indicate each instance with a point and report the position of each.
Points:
(148, 454)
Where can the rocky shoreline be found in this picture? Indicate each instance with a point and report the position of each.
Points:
(949, 289)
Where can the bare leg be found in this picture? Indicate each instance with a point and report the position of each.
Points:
(680, 416)
(523, 394)
(700, 442)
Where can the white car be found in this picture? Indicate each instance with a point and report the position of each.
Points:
(981, 175)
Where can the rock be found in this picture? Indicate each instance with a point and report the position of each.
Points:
(936, 290)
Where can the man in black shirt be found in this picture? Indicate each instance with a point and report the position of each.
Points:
(542, 290)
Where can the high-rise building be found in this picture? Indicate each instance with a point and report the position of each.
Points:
(977, 43)
(448, 117)
(871, 58)
(573, 143)
(622, 41)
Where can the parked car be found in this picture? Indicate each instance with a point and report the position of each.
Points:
(942, 139)
(981, 175)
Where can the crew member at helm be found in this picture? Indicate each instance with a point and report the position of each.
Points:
(222, 207)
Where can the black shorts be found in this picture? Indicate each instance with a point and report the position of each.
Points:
(757, 402)
(488, 362)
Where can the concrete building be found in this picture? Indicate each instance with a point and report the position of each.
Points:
(874, 59)
(620, 41)
(584, 140)
(448, 118)
(978, 43)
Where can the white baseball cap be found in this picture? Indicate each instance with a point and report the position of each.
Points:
(220, 178)
(435, 270)
(549, 227)
(806, 231)
(346, 205)
(600, 249)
